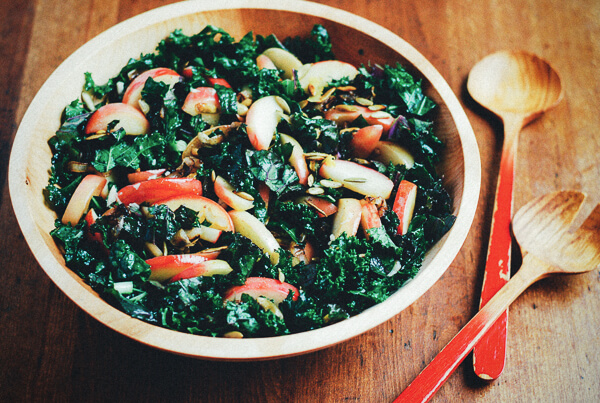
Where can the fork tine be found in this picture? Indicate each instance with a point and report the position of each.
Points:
(592, 223)
(588, 234)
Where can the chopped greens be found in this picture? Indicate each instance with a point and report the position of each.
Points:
(115, 245)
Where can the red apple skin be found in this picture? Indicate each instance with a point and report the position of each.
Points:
(323, 207)
(262, 287)
(90, 186)
(90, 218)
(365, 140)
(188, 72)
(404, 204)
(164, 267)
(153, 190)
(133, 93)
(341, 115)
(207, 210)
(369, 217)
(130, 119)
(201, 100)
(208, 268)
(265, 193)
(142, 176)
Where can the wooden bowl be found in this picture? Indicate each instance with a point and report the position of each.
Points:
(355, 39)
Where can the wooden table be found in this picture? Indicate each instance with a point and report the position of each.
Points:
(51, 350)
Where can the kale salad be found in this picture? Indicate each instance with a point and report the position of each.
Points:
(248, 188)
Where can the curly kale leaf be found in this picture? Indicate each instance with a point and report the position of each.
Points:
(293, 219)
(315, 48)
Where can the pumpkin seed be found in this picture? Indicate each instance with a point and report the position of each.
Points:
(234, 335)
(328, 183)
(245, 196)
(316, 156)
(380, 115)
(97, 135)
(347, 108)
(355, 180)
(315, 207)
(364, 101)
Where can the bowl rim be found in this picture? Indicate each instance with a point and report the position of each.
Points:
(257, 348)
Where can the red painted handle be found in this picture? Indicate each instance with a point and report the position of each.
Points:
(489, 355)
(431, 379)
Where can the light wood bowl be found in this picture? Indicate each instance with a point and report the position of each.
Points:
(355, 39)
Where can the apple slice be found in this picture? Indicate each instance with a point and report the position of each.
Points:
(297, 158)
(201, 100)
(323, 207)
(347, 218)
(387, 151)
(207, 209)
(225, 191)
(283, 60)
(164, 267)
(342, 114)
(369, 217)
(256, 287)
(156, 189)
(205, 233)
(207, 268)
(133, 93)
(365, 140)
(302, 254)
(404, 204)
(142, 176)
(262, 119)
(252, 228)
(90, 186)
(130, 119)
(322, 73)
(264, 62)
(357, 178)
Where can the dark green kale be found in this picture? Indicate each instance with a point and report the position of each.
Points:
(271, 167)
(315, 48)
(347, 275)
(316, 134)
(293, 219)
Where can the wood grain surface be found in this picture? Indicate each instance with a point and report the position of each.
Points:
(50, 350)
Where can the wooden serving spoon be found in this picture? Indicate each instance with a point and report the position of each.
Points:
(548, 247)
(518, 87)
